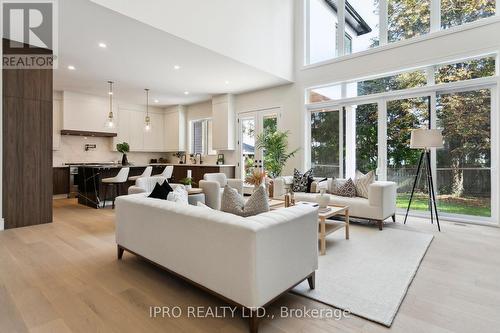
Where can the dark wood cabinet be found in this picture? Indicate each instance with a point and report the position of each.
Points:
(60, 184)
(197, 172)
(27, 144)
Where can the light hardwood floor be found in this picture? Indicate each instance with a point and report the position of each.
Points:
(64, 277)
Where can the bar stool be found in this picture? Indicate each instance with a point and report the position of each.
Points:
(147, 173)
(167, 172)
(115, 182)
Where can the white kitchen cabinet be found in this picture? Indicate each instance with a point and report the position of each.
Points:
(153, 139)
(83, 112)
(175, 129)
(223, 122)
(131, 130)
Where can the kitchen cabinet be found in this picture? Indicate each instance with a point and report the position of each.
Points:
(175, 129)
(83, 112)
(199, 170)
(131, 130)
(223, 122)
(60, 183)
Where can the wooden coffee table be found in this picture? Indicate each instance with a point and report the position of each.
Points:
(327, 227)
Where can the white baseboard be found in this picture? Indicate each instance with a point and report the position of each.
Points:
(1, 224)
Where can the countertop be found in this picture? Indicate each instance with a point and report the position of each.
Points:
(115, 166)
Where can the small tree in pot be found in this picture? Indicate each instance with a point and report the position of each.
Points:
(123, 148)
(275, 146)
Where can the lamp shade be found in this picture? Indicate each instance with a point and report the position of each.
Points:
(426, 138)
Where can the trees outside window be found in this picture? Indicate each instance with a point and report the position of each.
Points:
(325, 143)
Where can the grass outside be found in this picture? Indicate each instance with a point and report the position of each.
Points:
(447, 204)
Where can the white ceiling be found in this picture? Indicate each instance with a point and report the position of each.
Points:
(140, 56)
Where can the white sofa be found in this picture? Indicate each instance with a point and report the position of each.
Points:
(213, 187)
(380, 204)
(248, 261)
(147, 184)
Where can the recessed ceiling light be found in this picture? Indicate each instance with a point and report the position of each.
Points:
(177, 67)
(186, 93)
(157, 101)
(226, 82)
(103, 45)
(71, 67)
(110, 93)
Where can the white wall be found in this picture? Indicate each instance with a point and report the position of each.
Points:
(258, 33)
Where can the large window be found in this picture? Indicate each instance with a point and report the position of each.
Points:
(373, 127)
(407, 19)
(201, 137)
(457, 12)
(464, 165)
(326, 143)
(332, 31)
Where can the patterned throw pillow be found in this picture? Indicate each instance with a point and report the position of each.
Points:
(348, 189)
(257, 203)
(179, 195)
(335, 184)
(362, 182)
(300, 180)
(232, 202)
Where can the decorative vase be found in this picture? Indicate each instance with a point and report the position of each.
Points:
(124, 159)
(322, 198)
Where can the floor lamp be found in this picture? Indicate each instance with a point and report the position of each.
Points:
(426, 139)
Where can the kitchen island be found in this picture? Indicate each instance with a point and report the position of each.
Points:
(91, 189)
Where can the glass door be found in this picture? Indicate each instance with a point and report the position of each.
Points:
(327, 143)
(252, 125)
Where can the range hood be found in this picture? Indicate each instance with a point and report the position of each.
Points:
(88, 133)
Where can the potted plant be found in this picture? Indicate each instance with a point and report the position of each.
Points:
(123, 148)
(275, 147)
(187, 182)
(256, 178)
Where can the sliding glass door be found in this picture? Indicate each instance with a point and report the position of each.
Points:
(326, 136)
(404, 115)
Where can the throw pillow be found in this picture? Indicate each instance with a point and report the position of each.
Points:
(362, 182)
(347, 190)
(159, 192)
(335, 184)
(231, 201)
(179, 195)
(257, 203)
(300, 180)
(167, 186)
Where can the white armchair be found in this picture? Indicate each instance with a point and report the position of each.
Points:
(213, 186)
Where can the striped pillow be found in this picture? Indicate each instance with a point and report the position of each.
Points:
(362, 182)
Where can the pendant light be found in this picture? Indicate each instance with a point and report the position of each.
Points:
(110, 121)
(147, 120)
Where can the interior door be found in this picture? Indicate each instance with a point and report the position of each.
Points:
(251, 126)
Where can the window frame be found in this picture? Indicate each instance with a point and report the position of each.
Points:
(205, 139)
(431, 90)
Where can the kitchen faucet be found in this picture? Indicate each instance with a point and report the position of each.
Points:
(199, 159)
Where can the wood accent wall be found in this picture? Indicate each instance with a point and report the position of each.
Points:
(27, 145)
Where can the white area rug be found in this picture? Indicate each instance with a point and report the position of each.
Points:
(369, 274)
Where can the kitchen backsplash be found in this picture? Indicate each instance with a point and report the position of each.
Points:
(72, 150)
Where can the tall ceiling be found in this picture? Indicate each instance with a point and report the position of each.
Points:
(139, 55)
